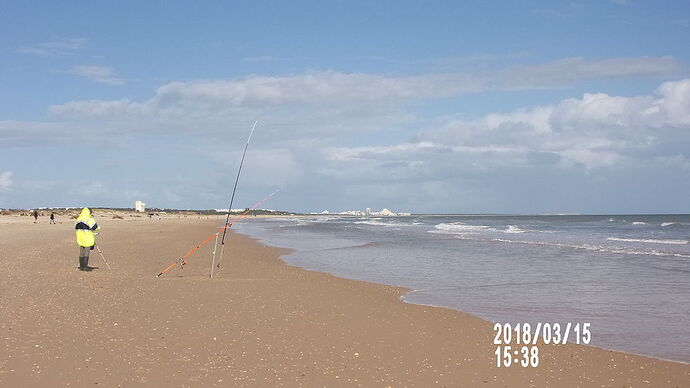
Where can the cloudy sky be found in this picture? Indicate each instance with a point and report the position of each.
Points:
(483, 107)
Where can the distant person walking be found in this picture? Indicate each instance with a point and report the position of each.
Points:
(52, 218)
(35, 216)
(86, 239)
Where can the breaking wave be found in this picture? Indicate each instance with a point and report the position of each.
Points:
(514, 229)
(379, 223)
(594, 248)
(461, 228)
(648, 240)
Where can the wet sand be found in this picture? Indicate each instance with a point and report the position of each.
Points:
(259, 322)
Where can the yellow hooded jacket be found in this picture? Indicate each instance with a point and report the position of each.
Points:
(85, 227)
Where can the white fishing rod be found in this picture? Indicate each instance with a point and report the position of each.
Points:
(103, 257)
(232, 199)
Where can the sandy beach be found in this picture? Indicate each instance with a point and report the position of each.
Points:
(259, 322)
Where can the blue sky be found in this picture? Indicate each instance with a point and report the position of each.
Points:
(518, 107)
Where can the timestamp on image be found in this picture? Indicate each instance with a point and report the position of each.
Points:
(518, 344)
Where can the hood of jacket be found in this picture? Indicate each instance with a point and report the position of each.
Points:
(85, 213)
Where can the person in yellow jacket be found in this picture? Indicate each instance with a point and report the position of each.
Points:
(85, 226)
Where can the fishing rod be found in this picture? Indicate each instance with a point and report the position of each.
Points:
(104, 260)
(232, 198)
(183, 260)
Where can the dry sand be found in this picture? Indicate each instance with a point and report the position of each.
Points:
(258, 323)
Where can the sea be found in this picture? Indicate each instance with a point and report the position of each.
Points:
(626, 275)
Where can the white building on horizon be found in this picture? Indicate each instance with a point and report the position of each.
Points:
(139, 206)
(386, 213)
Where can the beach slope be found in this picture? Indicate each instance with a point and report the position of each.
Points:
(259, 322)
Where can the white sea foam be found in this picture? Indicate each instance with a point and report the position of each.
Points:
(639, 223)
(461, 228)
(514, 229)
(326, 218)
(649, 240)
(378, 223)
(595, 248)
(669, 223)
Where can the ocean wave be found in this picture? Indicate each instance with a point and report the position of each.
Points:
(281, 219)
(297, 223)
(326, 218)
(514, 229)
(461, 228)
(595, 248)
(649, 240)
(639, 223)
(378, 223)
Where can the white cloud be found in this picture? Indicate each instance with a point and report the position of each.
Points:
(40, 133)
(568, 70)
(53, 48)
(258, 93)
(314, 88)
(303, 136)
(98, 108)
(596, 130)
(6, 181)
(320, 104)
(100, 74)
(13, 132)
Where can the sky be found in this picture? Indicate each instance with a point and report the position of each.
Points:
(530, 107)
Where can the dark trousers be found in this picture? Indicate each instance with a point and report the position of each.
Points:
(84, 257)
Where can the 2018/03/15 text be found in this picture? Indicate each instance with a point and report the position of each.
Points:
(527, 355)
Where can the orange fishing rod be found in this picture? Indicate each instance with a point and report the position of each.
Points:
(182, 260)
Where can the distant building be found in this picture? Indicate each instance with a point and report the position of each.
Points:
(139, 206)
(386, 212)
(352, 213)
(368, 211)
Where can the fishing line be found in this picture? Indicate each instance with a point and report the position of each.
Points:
(183, 260)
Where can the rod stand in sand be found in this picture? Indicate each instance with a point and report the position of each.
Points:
(222, 248)
(103, 257)
(213, 261)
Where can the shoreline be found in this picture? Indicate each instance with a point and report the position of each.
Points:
(588, 345)
(406, 291)
(260, 321)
